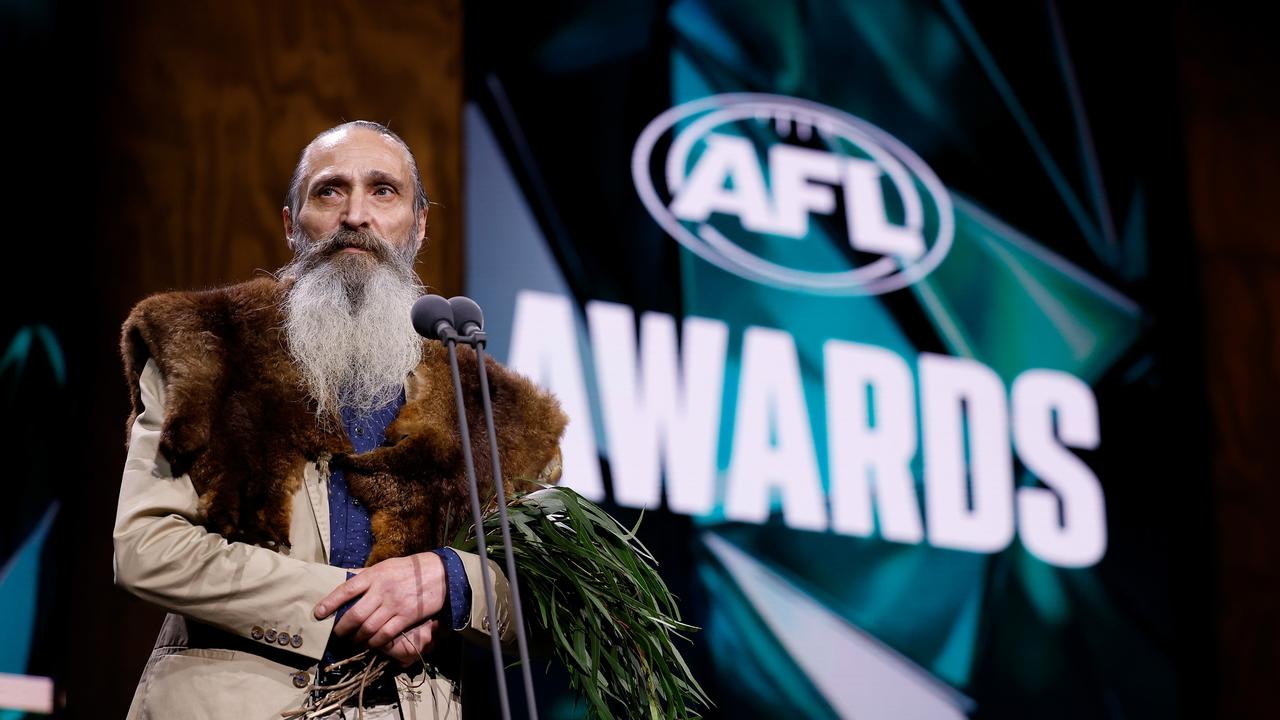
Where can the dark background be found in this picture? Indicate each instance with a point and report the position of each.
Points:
(150, 146)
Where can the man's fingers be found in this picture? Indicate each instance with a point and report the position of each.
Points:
(341, 595)
(408, 647)
(355, 617)
(388, 633)
(373, 624)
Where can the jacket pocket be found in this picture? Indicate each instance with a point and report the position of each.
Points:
(214, 684)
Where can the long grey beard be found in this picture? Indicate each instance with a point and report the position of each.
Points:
(347, 320)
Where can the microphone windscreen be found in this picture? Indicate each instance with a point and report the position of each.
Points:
(427, 313)
(466, 312)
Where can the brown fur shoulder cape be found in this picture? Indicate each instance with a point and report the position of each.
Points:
(239, 423)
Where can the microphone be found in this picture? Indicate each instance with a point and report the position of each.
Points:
(432, 317)
(467, 316)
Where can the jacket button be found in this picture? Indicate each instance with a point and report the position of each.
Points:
(283, 639)
(256, 632)
(271, 635)
(296, 641)
(301, 680)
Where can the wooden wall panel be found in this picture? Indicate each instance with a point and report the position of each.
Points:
(197, 113)
(1228, 69)
(208, 109)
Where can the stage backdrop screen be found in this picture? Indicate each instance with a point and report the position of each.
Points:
(851, 298)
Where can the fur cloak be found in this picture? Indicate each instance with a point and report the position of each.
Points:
(239, 422)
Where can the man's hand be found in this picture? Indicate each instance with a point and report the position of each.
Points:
(398, 594)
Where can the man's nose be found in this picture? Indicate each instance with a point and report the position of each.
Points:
(357, 211)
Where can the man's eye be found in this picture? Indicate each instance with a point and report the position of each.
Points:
(326, 192)
(384, 190)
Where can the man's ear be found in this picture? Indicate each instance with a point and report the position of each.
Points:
(288, 227)
(422, 227)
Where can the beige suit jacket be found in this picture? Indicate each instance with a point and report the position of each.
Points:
(212, 659)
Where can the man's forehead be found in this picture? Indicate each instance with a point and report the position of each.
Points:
(359, 149)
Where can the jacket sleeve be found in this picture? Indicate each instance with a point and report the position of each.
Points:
(165, 557)
(477, 628)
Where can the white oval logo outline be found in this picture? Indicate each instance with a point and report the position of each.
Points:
(723, 253)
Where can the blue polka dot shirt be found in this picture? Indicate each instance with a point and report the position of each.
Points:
(351, 538)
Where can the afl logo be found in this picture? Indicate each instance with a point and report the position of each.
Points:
(793, 194)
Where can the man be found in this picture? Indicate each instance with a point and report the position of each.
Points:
(287, 432)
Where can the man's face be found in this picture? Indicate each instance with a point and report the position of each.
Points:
(358, 179)
(353, 282)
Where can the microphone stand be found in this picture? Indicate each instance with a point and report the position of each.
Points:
(451, 339)
(477, 339)
(434, 317)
